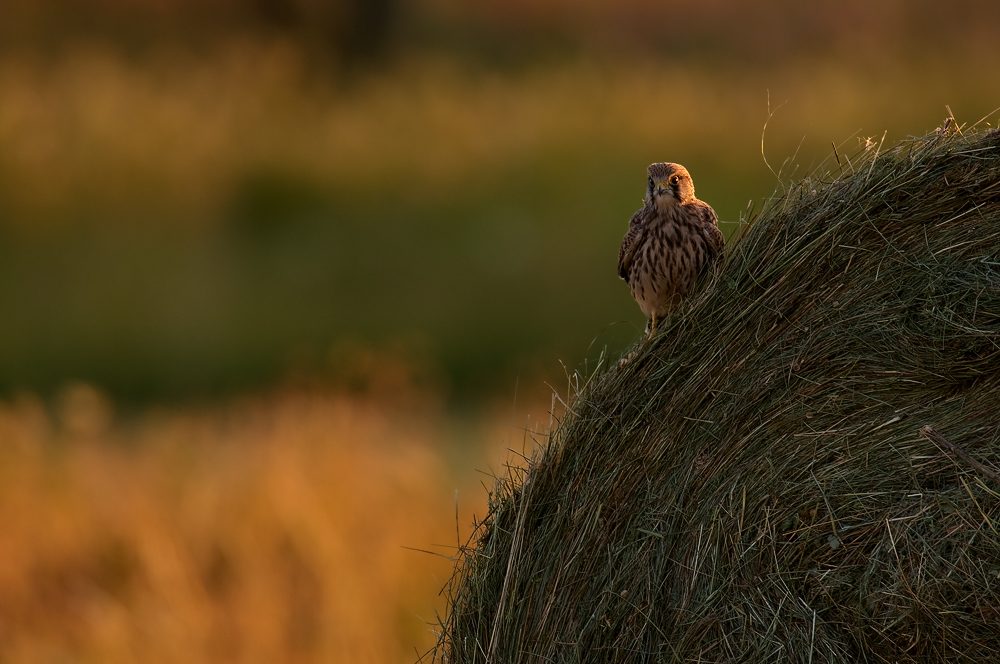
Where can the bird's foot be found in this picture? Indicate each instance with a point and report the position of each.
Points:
(651, 326)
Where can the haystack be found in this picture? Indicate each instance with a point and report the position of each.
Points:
(801, 467)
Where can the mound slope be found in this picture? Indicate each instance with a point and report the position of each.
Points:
(802, 466)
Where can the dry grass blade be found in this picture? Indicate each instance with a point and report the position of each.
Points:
(930, 433)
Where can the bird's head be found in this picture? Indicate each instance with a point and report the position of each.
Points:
(668, 185)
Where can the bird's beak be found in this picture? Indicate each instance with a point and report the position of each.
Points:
(661, 187)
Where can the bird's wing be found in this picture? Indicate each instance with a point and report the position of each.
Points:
(715, 239)
(630, 243)
(710, 224)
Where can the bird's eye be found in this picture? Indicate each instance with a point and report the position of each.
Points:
(650, 183)
(674, 179)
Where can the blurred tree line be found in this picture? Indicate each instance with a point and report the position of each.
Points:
(362, 30)
(348, 29)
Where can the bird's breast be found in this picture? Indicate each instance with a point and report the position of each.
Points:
(667, 264)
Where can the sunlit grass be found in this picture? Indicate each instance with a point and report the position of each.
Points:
(270, 529)
(95, 134)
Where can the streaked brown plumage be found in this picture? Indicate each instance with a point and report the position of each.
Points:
(670, 240)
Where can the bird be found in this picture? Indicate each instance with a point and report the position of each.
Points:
(671, 239)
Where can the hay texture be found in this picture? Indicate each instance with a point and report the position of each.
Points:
(801, 467)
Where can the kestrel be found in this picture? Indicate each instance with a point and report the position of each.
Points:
(670, 240)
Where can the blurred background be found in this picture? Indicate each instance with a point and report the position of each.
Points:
(278, 277)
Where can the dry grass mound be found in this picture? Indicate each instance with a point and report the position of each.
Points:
(801, 467)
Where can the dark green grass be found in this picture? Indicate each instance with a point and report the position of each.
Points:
(753, 484)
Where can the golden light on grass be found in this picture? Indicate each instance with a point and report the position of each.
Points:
(93, 130)
(269, 530)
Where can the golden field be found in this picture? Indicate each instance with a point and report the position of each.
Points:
(270, 529)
